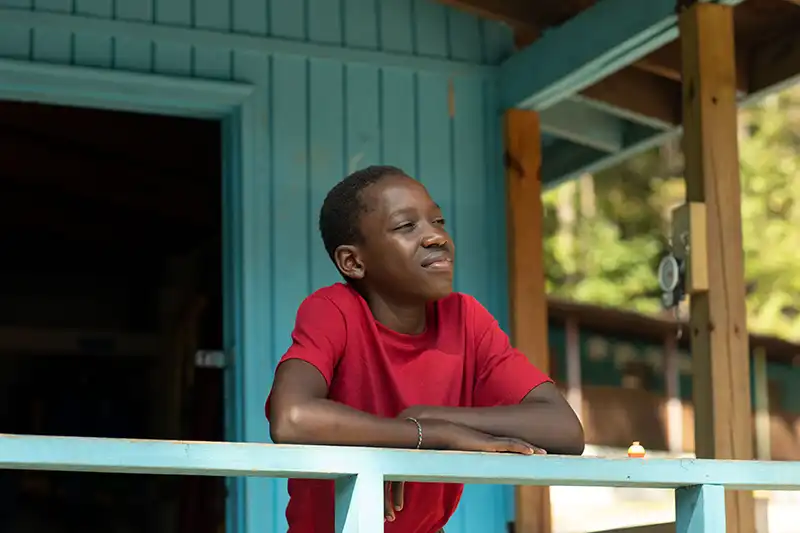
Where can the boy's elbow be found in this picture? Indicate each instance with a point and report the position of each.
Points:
(285, 424)
(569, 438)
(574, 439)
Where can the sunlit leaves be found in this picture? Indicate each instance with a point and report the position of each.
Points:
(608, 254)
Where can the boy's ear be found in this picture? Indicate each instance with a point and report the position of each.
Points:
(349, 262)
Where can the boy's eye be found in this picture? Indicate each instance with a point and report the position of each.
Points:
(439, 221)
(405, 226)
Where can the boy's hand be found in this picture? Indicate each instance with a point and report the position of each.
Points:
(392, 499)
(440, 435)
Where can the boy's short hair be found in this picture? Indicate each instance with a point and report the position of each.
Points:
(341, 211)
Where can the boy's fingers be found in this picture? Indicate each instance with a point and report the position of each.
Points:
(516, 446)
(388, 512)
(398, 488)
(521, 447)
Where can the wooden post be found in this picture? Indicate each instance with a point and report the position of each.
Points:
(719, 337)
(526, 278)
(673, 389)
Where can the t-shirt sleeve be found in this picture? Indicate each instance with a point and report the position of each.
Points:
(504, 376)
(319, 335)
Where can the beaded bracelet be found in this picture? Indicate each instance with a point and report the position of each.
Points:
(419, 431)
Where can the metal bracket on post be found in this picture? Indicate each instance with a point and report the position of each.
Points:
(689, 229)
(684, 269)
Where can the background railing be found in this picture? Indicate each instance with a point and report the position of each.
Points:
(360, 472)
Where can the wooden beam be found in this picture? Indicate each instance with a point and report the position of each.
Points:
(666, 62)
(526, 283)
(719, 338)
(534, 78)
(641, 93)
(645, 98)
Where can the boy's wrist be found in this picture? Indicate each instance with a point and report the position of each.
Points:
(433, 438)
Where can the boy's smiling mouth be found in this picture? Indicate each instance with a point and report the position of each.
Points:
(438, 261)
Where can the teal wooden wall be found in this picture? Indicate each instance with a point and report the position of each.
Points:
(322, 117)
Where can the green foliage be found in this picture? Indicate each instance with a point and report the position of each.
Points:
(606, 233)
(770, 167)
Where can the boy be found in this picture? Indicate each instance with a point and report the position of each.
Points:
(394, 358)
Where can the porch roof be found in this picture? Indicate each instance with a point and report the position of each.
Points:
(606, 74)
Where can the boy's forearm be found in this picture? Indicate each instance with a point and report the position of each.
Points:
(547, 426)
(326, 422)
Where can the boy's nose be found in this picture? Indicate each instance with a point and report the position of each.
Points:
(434, 239)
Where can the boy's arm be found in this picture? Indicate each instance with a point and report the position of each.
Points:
(300, 413)
(543, 418)
(511, 397)
(298, 409)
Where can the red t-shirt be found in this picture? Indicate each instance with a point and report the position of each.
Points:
(463, 359)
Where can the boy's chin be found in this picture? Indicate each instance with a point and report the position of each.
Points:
(437, 293)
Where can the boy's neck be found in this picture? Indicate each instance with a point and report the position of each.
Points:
(407, 318)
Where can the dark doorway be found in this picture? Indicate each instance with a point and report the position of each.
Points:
(110, 283)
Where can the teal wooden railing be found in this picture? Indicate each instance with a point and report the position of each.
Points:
(359, 472)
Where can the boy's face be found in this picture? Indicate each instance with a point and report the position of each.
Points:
(406, 252)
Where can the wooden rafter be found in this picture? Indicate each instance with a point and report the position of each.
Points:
(768, 53)
(766, 32)
(666, 62)
(652, 87)
(641, 93)
(775, 62)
